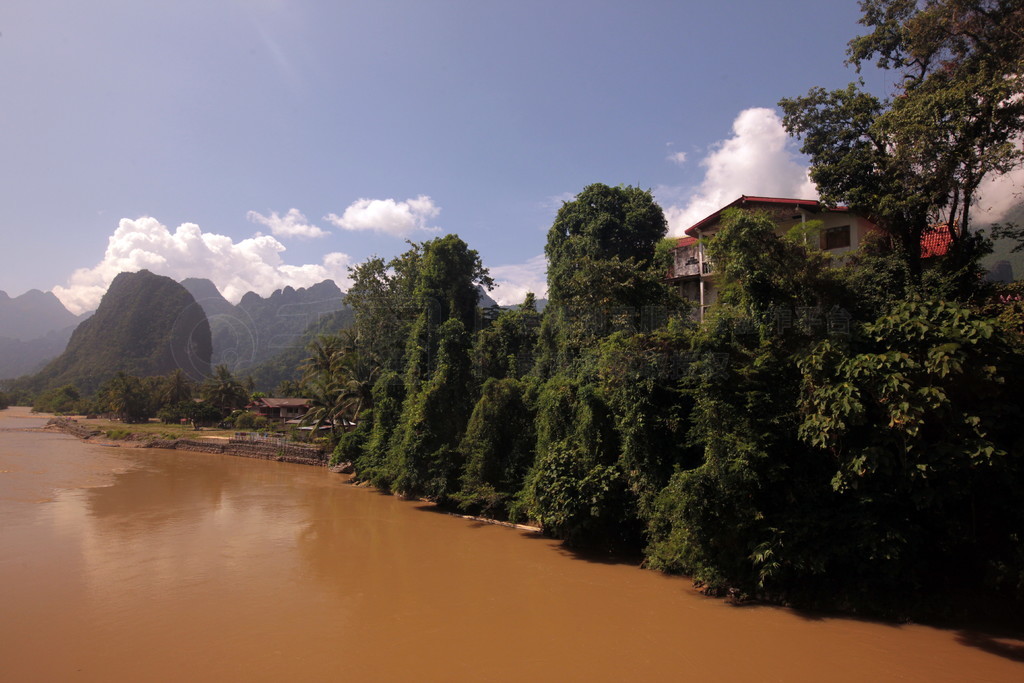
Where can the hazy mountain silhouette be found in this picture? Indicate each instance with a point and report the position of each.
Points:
(32, 315)
(259, 328)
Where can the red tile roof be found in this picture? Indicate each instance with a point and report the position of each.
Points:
(810, 204)
(935, 241)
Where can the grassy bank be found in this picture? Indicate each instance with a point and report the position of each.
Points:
(152, 429)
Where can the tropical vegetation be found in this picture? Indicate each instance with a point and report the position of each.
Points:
(832, 432)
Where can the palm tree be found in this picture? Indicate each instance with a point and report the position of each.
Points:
(326, 404)
(126, 397)
(357, 374)
(340, 377)
(324, 353)
(290, 388)
(177, 388)
(224, 391)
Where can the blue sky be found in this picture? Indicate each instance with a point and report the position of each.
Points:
(265, 142)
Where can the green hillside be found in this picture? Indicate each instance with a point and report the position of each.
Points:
(285, 365)
(145, 325)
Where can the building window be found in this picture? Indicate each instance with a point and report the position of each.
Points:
(836, 238)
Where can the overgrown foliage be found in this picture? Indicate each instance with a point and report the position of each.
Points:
(917, 159)
(497, 448)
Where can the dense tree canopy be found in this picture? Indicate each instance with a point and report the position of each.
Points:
(602, 226)
(956, 117)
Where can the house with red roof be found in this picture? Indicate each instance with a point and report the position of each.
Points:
(694, 275)
(279, 409)
(841, 231)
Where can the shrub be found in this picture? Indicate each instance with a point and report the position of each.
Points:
(246, 421)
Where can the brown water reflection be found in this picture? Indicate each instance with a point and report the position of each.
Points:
(158, 565)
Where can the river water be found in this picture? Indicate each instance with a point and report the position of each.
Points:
(121, 564)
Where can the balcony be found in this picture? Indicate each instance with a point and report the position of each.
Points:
(687, 263)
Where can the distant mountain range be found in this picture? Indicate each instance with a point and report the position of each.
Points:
(257, 328)
(34, 328)
(19, 357)
(34, 314)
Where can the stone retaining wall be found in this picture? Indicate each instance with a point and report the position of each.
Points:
(69, 426)
(198, 446)
(304, 455)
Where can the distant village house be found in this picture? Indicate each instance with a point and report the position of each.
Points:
(280, 410)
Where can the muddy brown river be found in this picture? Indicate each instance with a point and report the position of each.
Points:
(121, 564)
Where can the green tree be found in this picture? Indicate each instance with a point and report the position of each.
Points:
(177, 387)
(918, 158)
(604, 270)
(224, 391)
(434, 421)
(377, 464)
(200, 413)
(497, 447)
(576, 488)
(60, 400)
(450, 274)
(324, 353)
(601, 223)
(919, 420)
(328, 404)
(643, 380)
(412, 295)
(356, 372)
(338, 377)
(289, 388)
(505, 348)
(126, 397)
(381, 295)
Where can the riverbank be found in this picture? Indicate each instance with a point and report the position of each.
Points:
(242, 447)
(89, 430)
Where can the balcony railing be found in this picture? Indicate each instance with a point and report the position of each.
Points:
(687, 262)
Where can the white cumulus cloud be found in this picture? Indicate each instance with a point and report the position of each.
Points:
(512, 282)
(292, 224)
(253, 264)
(399, 219)
(997, 195)
(678, 158)
(759, 159)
